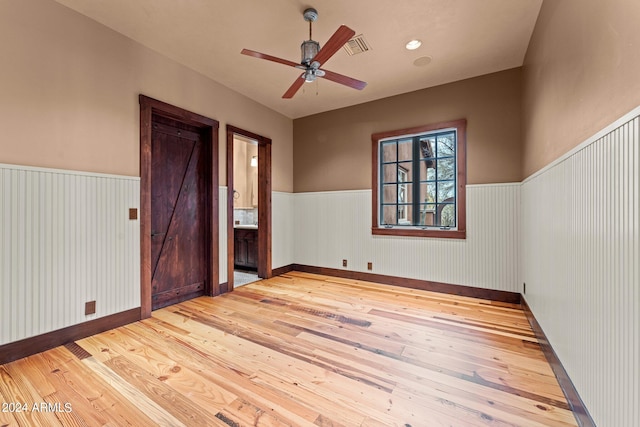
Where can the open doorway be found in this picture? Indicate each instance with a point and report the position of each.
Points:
(248, 207)
(245, 210)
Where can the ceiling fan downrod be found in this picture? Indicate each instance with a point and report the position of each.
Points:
(309, 48)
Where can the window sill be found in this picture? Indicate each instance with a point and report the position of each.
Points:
(440, 234)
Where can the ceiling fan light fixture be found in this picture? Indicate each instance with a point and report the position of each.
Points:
(309, 76)
(309, 49)
(413, 44)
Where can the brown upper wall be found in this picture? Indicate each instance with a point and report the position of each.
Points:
(581, 73)
(332, 150)
(69, 95)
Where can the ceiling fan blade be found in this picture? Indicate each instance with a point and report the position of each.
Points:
(337, 40)
(269, 57)
(294, 87)
(344, 80)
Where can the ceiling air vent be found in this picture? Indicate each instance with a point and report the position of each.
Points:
(356, 45)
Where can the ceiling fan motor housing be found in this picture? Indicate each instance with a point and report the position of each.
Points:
(309, 50)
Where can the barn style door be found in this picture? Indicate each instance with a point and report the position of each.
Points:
(180, 234)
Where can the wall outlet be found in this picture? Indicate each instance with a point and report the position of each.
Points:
(89, 308)
(133, 213)
(369, 266)
(344, 262)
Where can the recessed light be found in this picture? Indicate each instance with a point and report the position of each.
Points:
(422, 61)
(413, 44)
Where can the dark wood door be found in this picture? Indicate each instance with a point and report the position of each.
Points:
(180, 234)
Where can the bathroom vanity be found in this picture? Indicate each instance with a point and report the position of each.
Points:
(246, 247)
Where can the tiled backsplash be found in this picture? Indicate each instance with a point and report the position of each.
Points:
(245, 216)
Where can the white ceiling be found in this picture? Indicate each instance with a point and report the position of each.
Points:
(464, 38)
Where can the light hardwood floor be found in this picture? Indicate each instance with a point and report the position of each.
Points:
(299, 349)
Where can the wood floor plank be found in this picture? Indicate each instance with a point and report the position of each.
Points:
(89, 404)
(232, 363)
(23, 395)
(305, 372)
(77, 379)
(447, 388)
(159, 378)
(38, 379)
(298, 352)
(279, 380)
(185, 377)
(156, 413)
(66, 415)
(301, 349)
(6, 419)
(165, 396)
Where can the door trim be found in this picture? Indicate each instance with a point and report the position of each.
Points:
(264, 204)
(209, 128)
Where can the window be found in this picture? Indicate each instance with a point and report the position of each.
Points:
(419, 178)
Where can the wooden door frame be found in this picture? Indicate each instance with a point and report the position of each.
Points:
(264, 204)
(209, 128)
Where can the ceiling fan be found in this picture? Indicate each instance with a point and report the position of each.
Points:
(313, 57)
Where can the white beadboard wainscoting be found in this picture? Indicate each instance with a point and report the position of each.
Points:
(222, 238)
(65, 239)
(282, 229)
(332, 226)
(581, 262)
